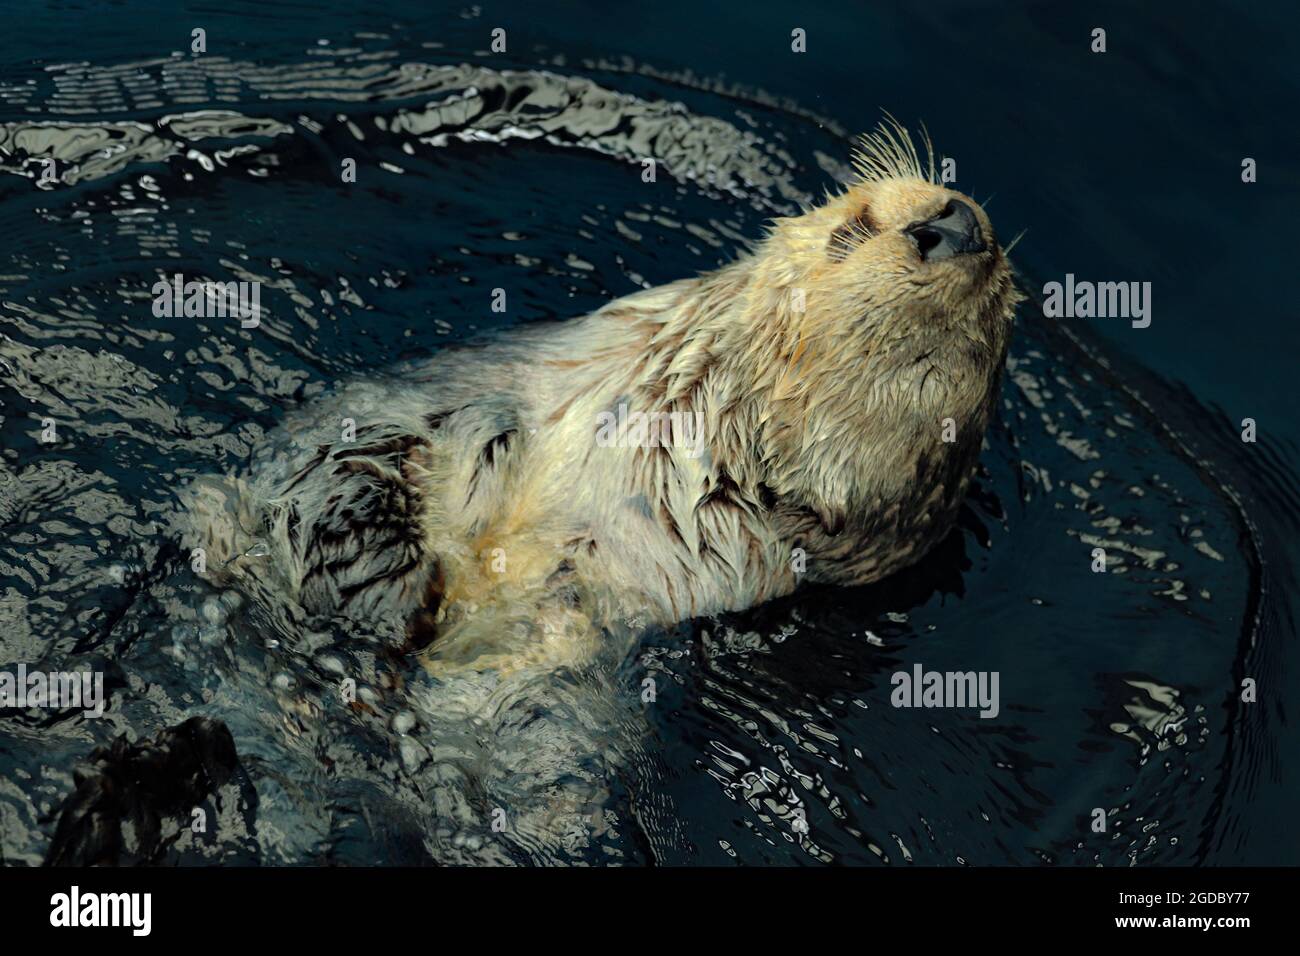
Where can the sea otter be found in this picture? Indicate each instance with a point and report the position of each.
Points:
(840, 374)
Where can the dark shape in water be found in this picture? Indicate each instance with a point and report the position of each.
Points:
(141, 784)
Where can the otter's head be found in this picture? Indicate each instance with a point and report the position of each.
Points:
(879, 325)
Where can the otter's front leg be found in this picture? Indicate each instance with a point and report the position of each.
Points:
(510, 637)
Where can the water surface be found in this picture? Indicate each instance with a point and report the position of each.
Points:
(771, 738)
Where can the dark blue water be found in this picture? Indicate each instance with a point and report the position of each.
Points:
(1119, 691)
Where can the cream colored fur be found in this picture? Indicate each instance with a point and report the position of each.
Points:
(823, 431)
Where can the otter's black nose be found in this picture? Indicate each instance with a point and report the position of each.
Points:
(953, 232)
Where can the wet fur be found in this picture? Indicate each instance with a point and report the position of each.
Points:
(823, 431)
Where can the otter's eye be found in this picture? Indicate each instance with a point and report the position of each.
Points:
(852, 234)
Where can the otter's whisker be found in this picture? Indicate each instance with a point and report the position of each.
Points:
(1007, 249)
(929, 150)
(888, 152)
